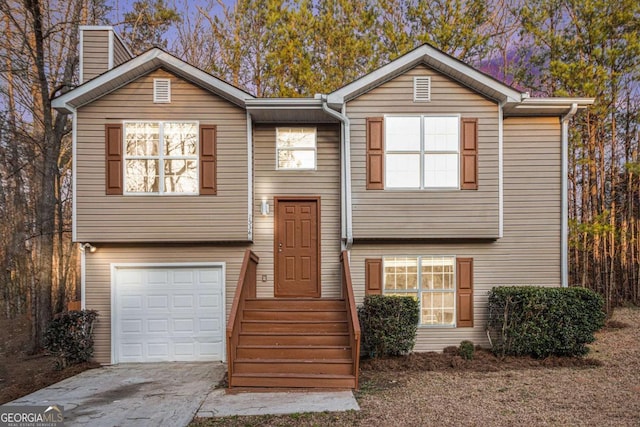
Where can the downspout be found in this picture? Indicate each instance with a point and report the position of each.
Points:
(501, 169)
(249, 177)
(564, 243)
(83, 279)
(345, 174)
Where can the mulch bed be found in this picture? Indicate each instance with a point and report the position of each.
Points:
(483, 361)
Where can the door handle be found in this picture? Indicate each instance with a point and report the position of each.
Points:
(280, 247)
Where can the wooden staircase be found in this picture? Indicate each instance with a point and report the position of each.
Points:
(294, 343)
(291, 342)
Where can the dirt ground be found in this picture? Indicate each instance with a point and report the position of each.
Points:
(427, 389)
(20, 373)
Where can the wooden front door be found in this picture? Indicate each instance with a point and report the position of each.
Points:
(297, 247)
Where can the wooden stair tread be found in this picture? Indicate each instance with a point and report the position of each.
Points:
(295, 299)
(293, 346)
(288, 361)
(290, 375)
(302, 334)
(293, 310)
(291, 321)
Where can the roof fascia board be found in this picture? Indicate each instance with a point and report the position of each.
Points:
(433, 58)
(276, 103)
(181, 68)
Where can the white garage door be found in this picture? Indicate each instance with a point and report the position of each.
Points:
(167, 314)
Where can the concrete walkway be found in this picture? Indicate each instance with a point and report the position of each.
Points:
(169, 394)
(219, 403)
(150, 394)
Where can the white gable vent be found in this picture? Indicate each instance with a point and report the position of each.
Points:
(422, 89)
(161, 90)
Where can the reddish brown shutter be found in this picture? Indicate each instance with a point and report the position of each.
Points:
(469, 155)
(373, 276)
(464, 284)
(375, 153)
(113, 151)
(208, 160)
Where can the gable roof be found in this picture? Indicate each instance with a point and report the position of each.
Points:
(439, 61)
(148, 61)
(464, 74)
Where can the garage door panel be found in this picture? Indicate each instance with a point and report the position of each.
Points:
(131, 326)
(210, 325)
(131, 302)
(209, 301)
(158, 302)
(183, 301)
(169, 314)
(185, 277)
(184, 326)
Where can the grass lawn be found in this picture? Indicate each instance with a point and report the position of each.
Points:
(445, 391)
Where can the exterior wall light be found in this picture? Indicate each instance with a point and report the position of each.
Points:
(264, 207)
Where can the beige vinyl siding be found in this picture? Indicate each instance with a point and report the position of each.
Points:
(98, 278)
(102, 218)
(529, 252)
(120, 54)
(425, 213)
(323, 182)
(95, 53)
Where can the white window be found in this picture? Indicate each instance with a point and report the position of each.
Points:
(161, 157)
(430, 279)
(296, 148)
(422, 152)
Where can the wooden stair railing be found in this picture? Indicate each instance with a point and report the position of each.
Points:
(352, 314)
(246, 288)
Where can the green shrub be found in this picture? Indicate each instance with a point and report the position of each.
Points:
(537, 321)
(466, 350)
(388, 324)
(69, 337)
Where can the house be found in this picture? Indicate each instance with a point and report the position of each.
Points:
(227, 227)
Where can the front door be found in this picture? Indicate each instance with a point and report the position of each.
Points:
(297, 247)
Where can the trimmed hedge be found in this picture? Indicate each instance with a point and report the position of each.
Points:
(388, 325)
(69, 337)
(540, 322)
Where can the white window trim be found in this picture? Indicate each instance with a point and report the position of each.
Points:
(160, 156)
(422, 153)
(419, 291)
(314, 149)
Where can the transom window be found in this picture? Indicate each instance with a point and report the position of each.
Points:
(161, 157)
(421, 152)
(430, 279)
(296, 148)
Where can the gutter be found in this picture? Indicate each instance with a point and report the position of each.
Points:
(564, 242)
(345, 173)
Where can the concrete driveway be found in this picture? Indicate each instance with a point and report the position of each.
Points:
(150, 394)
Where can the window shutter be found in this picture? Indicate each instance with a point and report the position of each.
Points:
(469, 155)
(375, 153)
(208, 160)
(113, 154)
(373, 276)
(464, 285)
